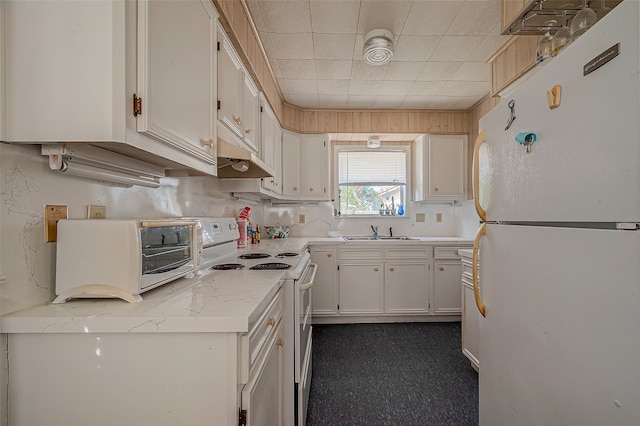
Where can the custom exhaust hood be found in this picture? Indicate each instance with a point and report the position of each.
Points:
(237, 162)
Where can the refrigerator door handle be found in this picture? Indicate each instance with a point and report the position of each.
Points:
(482, 138)
(476, 288)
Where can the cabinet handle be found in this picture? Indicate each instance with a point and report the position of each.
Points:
(310, 189)
(271, 322)
(375, 269)
(441, 268)
(391, 269)
(295, 188)
(476, 289)
(208, 142)
(236, 119)
(482, 138)
(247, 131)
(280, 341)
(329, 254)
(435, 189)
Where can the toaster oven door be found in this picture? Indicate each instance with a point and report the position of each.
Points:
(167, 251)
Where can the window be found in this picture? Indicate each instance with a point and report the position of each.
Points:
(371, 182)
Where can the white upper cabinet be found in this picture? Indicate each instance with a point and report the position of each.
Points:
(238, 97)
(304, 166)
(75, 81)
(440, 172)
(176, 73)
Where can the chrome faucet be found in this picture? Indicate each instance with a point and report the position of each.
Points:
(375, 231)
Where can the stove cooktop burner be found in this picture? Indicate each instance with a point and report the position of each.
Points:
(254, 256)
(228, 266)
(288, 254)
(271, 265)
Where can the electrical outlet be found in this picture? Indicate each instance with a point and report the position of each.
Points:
(52, 214)
(301, 218)
(438, 217)
(96, 212)
(419, 217)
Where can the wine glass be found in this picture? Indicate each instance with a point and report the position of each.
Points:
(545, 47)
(583, 20)
(562, 37)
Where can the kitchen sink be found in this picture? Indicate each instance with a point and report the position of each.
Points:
(379, 238)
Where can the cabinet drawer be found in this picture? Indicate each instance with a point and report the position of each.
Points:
(447, 252)
(253, 343)
(406, 253)
(361, 254)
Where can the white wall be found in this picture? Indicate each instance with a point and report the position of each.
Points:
(27, 263)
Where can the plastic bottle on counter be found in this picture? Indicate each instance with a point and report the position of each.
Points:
(242, 229)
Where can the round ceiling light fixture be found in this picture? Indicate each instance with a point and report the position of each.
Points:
(378, 47)
(373, 142)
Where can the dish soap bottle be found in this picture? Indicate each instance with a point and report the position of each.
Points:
(400, 210)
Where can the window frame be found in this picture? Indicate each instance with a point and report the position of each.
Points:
(345, 146)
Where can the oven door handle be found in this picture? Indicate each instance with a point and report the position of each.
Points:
(309, 284)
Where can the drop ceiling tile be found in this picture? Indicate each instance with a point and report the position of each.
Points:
(256, 15)
(332, 101)
(283, 85)
(415, 48)
(333, 87)
(364, 88)
(456, 48)
(387, 14)
(334, 17)
(431, 17)
(363, 71)
(276, 68)
(441, 102)
(473, 71)
(287, 17)
(388, 102)
(462, 88)
(422, 88)
(395, 88)
(466, 102)
(291, 46)
(437, 71)
(336, 70)
(333, 46)
(404, 70)
(302, 87)
(357, 48)
(487, 48)
(479, 17)
(303, 101)
(360, 102)
(298, 69)
(414, 102)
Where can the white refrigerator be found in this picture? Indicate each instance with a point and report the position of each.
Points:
(559, 277)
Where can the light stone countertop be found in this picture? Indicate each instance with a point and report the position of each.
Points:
(214, 301)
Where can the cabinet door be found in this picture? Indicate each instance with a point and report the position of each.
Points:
(470, 325)
(250, 111)
(446, 287)
(361, 290)
(230, 84)
(267, 141)
(314, 154)
(291, 164)
(262, 395)
(176, 74)
(323, 300)
(407, 287)
(446, 166)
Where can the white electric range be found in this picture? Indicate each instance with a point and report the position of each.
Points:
(221, 254)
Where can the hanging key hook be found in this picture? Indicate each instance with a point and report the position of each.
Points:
(512, 108)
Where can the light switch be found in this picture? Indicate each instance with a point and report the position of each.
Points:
(438, 217)
(419, 217)
(301, 218)
(96, 212)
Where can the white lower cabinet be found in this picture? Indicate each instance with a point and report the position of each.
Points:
(407, 287)
(153, 378)
(325, 300)
(389, 281)
(361, 287)
(470, 317)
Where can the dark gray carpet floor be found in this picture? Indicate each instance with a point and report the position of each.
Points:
(391, 374)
